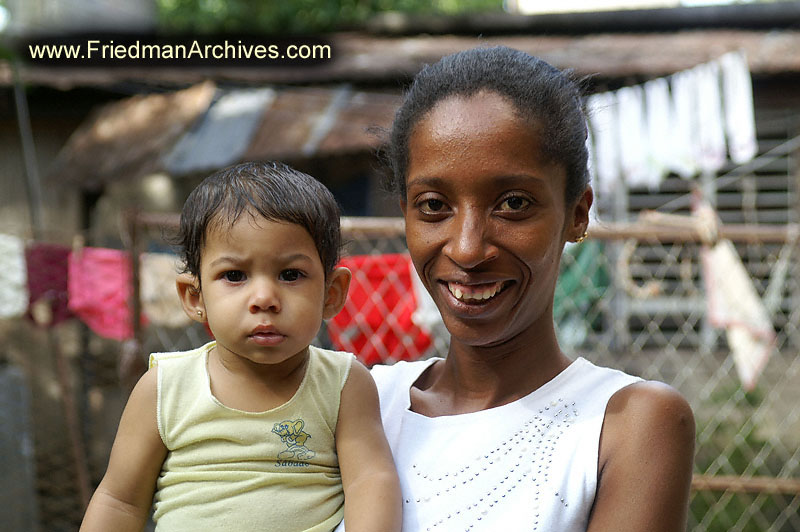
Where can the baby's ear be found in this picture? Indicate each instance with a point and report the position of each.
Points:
(336, 291)
(191, 298)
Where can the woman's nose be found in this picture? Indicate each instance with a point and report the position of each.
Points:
(264, 297)
(469, 243)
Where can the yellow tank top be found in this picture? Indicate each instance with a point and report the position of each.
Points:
(230, 470)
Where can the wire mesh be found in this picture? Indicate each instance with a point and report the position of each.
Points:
(627, 298)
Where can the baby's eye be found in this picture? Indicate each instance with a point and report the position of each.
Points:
(514, 203)
(290, 275)
(234, 276)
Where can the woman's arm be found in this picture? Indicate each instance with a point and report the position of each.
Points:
(124, 497)
(372, 499)
(645, 465)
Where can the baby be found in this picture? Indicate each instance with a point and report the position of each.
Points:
(256, 430)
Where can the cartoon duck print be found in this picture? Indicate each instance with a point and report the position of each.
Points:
(292, 434)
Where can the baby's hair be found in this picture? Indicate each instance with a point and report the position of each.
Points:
(543, 95)
(272, 190)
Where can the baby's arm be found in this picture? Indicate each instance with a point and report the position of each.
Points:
(372, 499)
(124, 497)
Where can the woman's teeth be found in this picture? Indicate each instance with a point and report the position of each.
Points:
(474, 293)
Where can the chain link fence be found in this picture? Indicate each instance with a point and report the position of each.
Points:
(629, 297)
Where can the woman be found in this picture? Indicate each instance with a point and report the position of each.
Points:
(508, 433)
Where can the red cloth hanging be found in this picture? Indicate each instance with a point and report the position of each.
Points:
(376, 322)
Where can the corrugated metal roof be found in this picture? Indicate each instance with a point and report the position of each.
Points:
(158, 133)
(125, 139)
(314, 121)
(222, 135)
(290, 123)
(358, 120)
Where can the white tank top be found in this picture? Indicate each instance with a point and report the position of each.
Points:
(530, 465)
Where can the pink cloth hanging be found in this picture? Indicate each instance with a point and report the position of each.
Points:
(47, 283)
(377, 322)
(99, 282)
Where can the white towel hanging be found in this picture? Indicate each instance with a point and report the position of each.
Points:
(737, 90)
(601, 110)
(711, 149)
(631, 133)
(684, 131)
(13, 277)
(659, 118)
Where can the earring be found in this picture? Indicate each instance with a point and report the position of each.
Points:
(200, 313)
(582, 237)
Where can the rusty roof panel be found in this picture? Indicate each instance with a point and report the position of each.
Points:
(289, 124)
(188, 131)
(354, 129)
(125, 139)
(307, 122)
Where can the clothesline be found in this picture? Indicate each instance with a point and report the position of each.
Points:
(51, 283)
(687, 123)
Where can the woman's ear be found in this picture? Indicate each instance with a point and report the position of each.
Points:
(336, 291)
(580, 215)
(191, 298)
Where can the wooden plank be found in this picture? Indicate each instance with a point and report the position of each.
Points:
(393, 226)
(788, 486)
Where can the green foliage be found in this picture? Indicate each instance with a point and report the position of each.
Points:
(296, 16)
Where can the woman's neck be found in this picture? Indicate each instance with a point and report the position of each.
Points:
(476, 378)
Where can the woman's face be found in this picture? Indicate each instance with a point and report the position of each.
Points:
(486, 219)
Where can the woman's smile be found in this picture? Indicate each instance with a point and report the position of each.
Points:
(481, 300)
(475, 293)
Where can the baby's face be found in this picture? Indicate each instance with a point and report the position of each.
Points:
(263, 289)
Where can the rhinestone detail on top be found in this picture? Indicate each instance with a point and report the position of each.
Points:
(521, 460)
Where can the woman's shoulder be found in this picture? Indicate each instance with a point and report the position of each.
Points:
(646, 403)
(394, 383)
(634, 402)
(648, 433)
(584, 379)
(582, 366)
(647, 417)
(400, 374)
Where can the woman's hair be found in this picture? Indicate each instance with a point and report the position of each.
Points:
(547, 98)
(273, 190)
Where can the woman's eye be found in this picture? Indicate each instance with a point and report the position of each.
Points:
(234, 276)
(514, 203)
(290, 275)
(432, 206)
